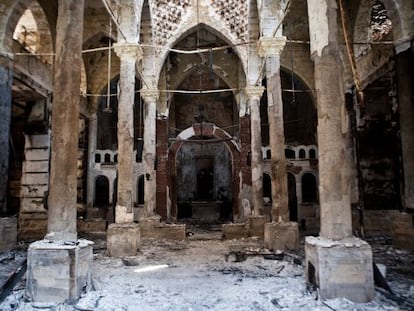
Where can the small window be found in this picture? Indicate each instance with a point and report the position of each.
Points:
(302, 154)
(268, 154)
(140, 147)
(97, 158)
(312, 154)
(289, 154)
(107, 158)
(116, 158)
(140, 190)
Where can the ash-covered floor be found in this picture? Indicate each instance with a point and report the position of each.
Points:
(204, 273)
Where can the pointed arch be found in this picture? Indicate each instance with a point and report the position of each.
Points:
(185, 30)
(11, 16)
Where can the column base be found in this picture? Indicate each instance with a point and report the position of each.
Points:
(234, 231)
(281, 235)
(152, 228)
(8, 233)
(123, 239)
(256, 225)
(403, 231)
(58, 271)
(340, 268)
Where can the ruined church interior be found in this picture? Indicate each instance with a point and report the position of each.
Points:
(207, 155)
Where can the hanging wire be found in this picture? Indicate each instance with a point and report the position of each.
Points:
(285, 11)
(351, 56)
(108, 109)
(112, 15)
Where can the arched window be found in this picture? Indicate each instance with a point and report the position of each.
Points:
(302, 154)
(140, 190)
(312, 154)
(107, 158)
(289, 154)
(101, 191)
(268, 154)
(309, 188)
(97, 158)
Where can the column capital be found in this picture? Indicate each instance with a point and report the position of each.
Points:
(129, 50)
(272, 46)
(150, 94)
(254, 92)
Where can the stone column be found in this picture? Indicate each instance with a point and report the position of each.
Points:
(405, 67)
(123, 237)
(59, 268)
(162, 167)
(150, 97)
(254, 93)
(280, 233)
(245, 169)
(271, 48)
(129, 54)
(403, 225)
(92, 138)
(6, 79)
(257, 220)
(341, 264)
(65, 122)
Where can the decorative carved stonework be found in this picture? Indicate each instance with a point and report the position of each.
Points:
(150, 95)
(128, 51)
(235, 15)
(167, 15)
(271, 46)
(254, 92)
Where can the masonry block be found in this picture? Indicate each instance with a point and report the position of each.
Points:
(123, 239)
(340, 269)
(91, 225)
(152, 228)
(281, 235)
(8, 233)
(58, 271)
(32, 226)
(235, 231)
(256, 225)
(403, 231)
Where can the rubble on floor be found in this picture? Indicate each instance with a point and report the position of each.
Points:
(208, 275)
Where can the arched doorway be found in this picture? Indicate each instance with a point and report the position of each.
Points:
(309, 188)
(292, 198)
(101, 192)
(204, 179)
(140, 190)
(203, 182)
